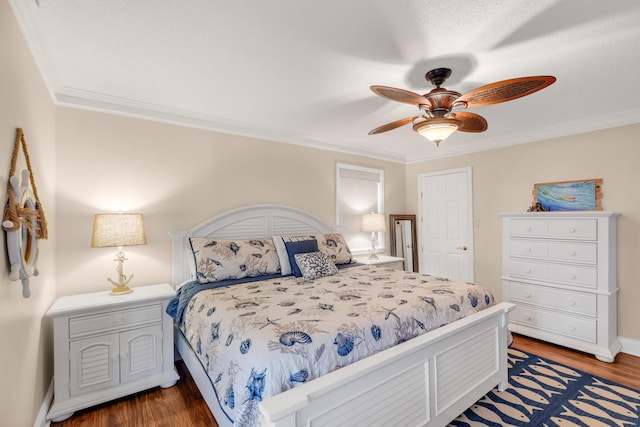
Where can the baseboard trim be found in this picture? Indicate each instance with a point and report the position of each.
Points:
(630, 346)
(41, 419)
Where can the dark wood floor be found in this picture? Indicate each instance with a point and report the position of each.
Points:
(182, 405)
(177, 406)
(624, 370)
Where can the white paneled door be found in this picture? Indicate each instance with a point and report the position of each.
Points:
(446, 218)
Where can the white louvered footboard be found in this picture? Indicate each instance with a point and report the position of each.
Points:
(428, 380)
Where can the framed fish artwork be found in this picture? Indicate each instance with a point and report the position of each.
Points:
(582, 195)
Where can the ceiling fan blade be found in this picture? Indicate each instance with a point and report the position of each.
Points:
(399, 95)
(505, 90)
(392, 125)
(471, 122)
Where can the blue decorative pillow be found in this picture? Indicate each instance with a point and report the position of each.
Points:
(281, 249)
(301, 247)
(316, 264)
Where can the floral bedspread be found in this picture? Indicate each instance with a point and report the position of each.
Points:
(261, 338)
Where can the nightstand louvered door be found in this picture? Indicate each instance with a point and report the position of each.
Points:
(94, 364)
(104, 361)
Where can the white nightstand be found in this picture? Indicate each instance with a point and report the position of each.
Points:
(383, 261)
(106, 347)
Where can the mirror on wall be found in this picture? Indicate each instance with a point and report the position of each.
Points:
(403, 240)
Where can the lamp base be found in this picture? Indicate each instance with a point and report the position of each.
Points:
(121, 287)
(121, 290)
(373, 246)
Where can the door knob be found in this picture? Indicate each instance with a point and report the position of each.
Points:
(463, 247)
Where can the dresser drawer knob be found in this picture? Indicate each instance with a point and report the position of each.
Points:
(572, 303)
(527, 316)
(528, 228)
(572, 253)
(527, 249)
(527, 270)
(527, 295)
(120, 320)
(572, 229)
(572, 328)
(572, 276)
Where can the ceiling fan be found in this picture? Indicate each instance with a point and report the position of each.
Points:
(437, 119)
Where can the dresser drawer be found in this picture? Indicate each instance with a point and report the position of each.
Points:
(529, 227)
(530, 270)
(583, 329)
(578, 252)
(585, 277)
(529, 248)
(573, 228)
(553, 298)
(108, 321)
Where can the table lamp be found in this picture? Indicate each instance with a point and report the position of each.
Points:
(373, 222)
(118, 230)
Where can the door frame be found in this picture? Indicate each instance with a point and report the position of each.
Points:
(469, 171)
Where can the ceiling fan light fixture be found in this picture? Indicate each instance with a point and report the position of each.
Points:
(437, 130)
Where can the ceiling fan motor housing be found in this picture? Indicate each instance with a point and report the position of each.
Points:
(440, 101)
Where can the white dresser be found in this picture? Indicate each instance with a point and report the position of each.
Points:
(560, 270)
(107, 347)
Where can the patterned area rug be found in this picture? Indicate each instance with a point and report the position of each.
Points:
(546, 393)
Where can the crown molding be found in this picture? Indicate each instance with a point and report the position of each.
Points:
(76, 98)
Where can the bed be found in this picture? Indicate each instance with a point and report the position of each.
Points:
(413, 378)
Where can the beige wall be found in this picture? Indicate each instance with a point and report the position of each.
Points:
(177, 177)
(26, 355)
(503, 180)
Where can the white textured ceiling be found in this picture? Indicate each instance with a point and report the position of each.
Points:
(300, 71)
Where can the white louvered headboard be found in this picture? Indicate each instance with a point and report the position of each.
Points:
(250, 222)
